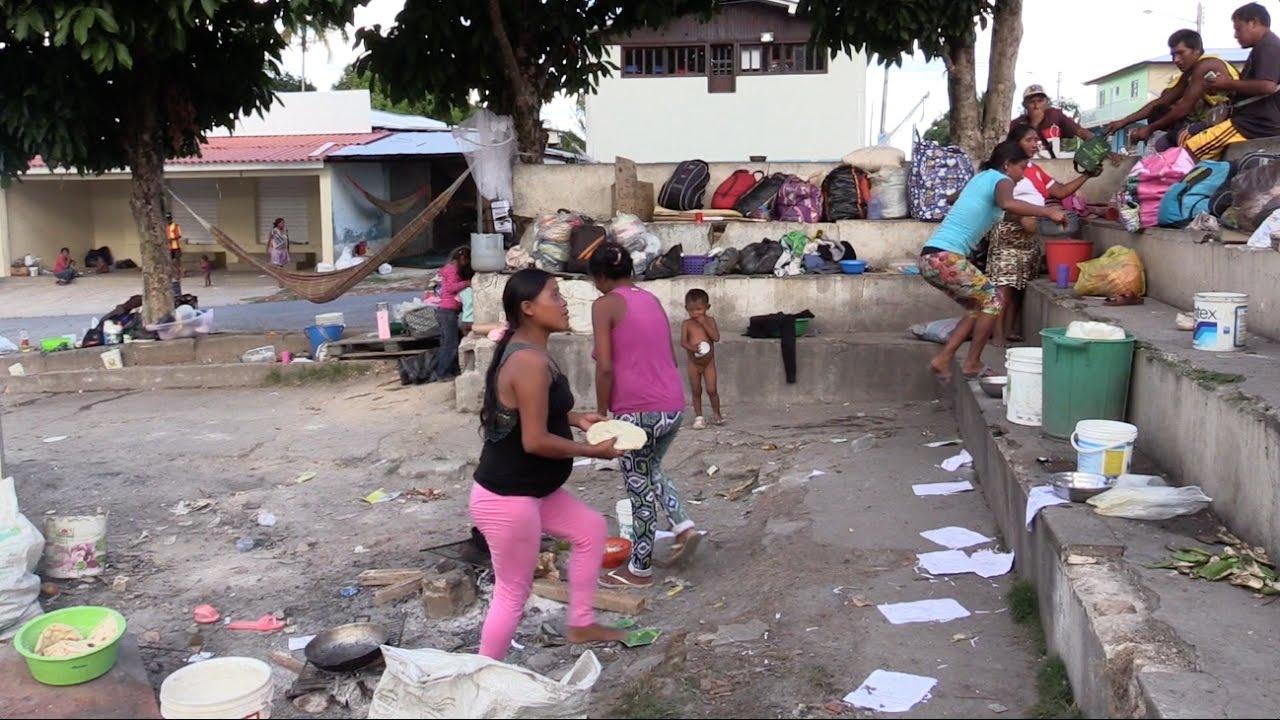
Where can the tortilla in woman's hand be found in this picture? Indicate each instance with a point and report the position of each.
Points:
(627, 435)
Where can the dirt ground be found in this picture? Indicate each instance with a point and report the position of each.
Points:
(776, 617)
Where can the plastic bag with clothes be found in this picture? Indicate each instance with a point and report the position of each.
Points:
(1150, 503)
(436, 684)
(1255, 193)
(889, 184)
(1118, 271)
(21, 546)
(551, 246)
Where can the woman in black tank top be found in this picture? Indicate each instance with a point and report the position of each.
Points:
(528, 454)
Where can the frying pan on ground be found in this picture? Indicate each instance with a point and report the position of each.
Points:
(348, 647)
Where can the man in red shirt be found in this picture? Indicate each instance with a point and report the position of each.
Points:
(1049, 121)
(64, 268)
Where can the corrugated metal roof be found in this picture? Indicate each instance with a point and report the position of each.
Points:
(1236, 56)
(398, 121)
(404, 143)
(247, 149)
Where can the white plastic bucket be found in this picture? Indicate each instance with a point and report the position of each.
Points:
(626, 525)
(229, 687)
(333, 318)
(75, 546)
(1025, 367)
(1220, 323)
(488, 252)
(1104, 447)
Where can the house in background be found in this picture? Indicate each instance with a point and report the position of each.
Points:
(300, 161)
(745, 83)
(1126, 90)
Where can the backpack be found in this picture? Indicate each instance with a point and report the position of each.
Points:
(686, 186)
(1193, 194)
(760, 197)
(936, 173)
(1224, 198)
(584, 240)
(666, 265)
(798, 201)
(759, 258)
(845, 194)
(733, 188)
(1155, 174)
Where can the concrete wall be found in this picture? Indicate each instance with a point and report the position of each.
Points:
(841, 303)
(46, 215)
(1178, 267)
(818, 116)
(355, 219)
(308, 113)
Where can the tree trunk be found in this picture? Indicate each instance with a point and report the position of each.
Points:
(1006, 36)
(962, 91)
(531, 138)
(146, 165)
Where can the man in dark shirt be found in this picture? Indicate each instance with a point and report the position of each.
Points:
(1050, 122)
(1257, 107)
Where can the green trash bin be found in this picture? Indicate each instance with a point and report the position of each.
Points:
(1083, 380)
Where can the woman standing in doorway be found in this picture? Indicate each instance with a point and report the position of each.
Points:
(278, 244)
(944, 260)
(637, 379)
(528, 453)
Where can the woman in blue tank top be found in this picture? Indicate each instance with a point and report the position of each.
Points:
(944, 261)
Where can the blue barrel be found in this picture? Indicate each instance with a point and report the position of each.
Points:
(321, 334)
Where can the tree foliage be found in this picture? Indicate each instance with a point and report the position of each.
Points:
(517, 55)
(99, 85)
(285, 81)
(425, 105)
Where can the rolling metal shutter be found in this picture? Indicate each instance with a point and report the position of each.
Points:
(288, 198)
(202, 196)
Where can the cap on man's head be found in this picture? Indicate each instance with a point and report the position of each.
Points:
(1033, 90)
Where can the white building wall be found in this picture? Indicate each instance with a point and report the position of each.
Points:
(785, 117)
(308, 113)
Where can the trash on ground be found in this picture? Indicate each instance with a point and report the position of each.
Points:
(737, 491)
(816, 473)
(245, 544)
(955, 538)
(989, 563)
(957, 461)
(943, 443)
(740, 632)
(299, 642)
(200, 657)
(887, 691)
(423, 494)
(642, 637)
(309, 475)
(1081, 560)
(266, 519)
(380, 496)
(934, 610)
(266, 623)
(349, 591)
(711, 471)
(360, 550)
(17, 370)
(942, 488)
(55, 438)
(206, 614)
(186, 507)
(997, 708)
(1150, 503)
(1238, 563)
(1039, 497)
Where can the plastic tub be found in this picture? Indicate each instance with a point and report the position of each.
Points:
(1067, 252)
(1104, 447)
(488, 252)
(694, 264)
(1084, 380)
(1220, 325)
(75, 669)
(320, 334)
(1025, 367)
(853, 267)
(229, 687)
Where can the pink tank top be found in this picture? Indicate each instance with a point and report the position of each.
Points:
(645, 375)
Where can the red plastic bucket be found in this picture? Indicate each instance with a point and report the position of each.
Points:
(1069, 253)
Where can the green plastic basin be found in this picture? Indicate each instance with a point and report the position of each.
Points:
(75, 669)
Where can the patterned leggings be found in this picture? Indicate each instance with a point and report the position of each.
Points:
(648, 485)
(961, 280)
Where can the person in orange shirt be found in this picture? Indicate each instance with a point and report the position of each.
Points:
(173, 231)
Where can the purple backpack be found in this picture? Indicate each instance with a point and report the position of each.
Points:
(798, 201)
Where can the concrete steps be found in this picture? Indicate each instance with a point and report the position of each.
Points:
(878, 367)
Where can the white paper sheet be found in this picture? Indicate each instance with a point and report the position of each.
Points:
(942, 488)
(955, 538)
(943, 610)
(300, 642)
(989, 564)
(945, 562)
(955, 462)
(816, 473)
(888, 691)
(1040, 497)
(942, 443)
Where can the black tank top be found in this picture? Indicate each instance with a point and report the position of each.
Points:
(505, 468)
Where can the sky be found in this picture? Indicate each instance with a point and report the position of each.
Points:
(1067, 42)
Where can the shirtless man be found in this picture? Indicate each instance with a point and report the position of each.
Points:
(1189, 99)
(698, 337)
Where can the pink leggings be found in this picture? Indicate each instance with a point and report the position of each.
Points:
(513, 527)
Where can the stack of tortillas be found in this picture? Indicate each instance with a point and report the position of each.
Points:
(628, 435)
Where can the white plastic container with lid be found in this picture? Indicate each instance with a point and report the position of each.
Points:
(488, 252)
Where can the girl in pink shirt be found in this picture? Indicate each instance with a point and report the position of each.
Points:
(637, 379)
(454, 278)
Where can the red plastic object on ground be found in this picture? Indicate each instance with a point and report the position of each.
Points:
(266, 623)
(1069, 253)
(206, 614)
(616, 552)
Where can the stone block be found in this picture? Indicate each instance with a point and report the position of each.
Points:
(448, 594)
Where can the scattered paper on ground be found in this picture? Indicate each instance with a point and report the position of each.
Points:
(955, 462)
(1040, 497)
(55, 438)
(304, 477)
(942, 488)
(955, 538)
(816, 473)
(300, 642)
(945, 562)
(888, 691)
(942, 443)
(941, 610)
(989, 563)
(380, 496)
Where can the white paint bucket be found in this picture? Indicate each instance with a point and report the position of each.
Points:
(1104, 447)
(626, 525)
(1220, 324)
(333, 318)
(230, 687)
(75, 546)
(1025, 368)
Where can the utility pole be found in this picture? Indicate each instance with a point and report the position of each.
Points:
(1059, 93)
(302, 81)
(1200, 18)
(884, 109)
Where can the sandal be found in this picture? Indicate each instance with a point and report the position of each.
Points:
(685, 550)
(1125, 299)
(985, 372)
(615, 579)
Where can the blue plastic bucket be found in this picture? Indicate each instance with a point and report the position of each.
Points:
(321, 334)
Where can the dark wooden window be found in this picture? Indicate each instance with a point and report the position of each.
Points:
(664, 61)
(722, 78)
(780, 59)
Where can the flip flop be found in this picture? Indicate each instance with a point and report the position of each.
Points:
(681, 552)
(614, 579)
(984, 372)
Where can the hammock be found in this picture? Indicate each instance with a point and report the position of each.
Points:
(324, 287)
(392, 207)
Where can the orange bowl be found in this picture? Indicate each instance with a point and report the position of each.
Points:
(616, 552)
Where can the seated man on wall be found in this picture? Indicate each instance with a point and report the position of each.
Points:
(1187, 100)
(1255, 104)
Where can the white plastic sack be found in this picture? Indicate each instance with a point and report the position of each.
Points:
(21, 546)
(873, 159)
(436, 684)
(1150, 503)
(385, 269)
(1264, 236)
(890, 185)
(937, 331)
(7, 346)
(1090, 330)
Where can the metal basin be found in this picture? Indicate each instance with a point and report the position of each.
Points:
(994, 386)
(1078, 486)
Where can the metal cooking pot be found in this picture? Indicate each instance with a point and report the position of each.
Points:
(348, 647)
(1051, 229)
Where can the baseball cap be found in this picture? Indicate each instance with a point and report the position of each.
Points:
(1033, 90)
